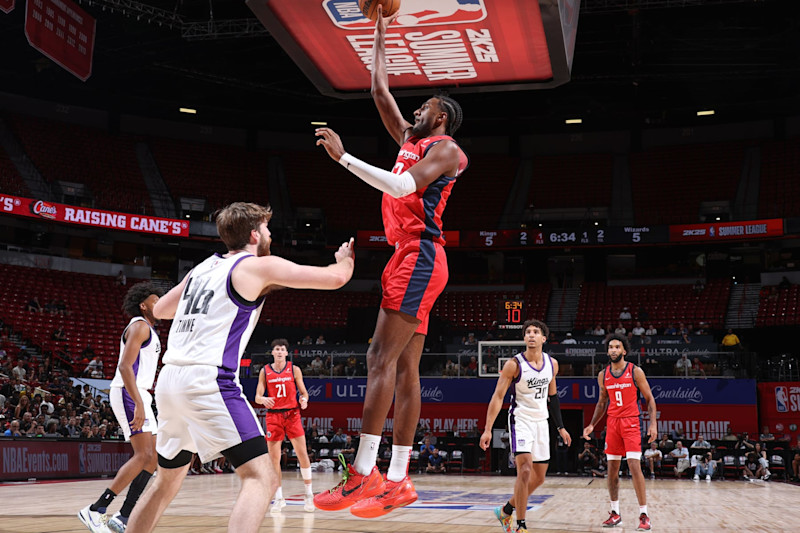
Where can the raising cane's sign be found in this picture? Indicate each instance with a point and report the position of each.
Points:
(460, 44)
(71, 214)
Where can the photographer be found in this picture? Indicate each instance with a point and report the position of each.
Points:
(705, 467)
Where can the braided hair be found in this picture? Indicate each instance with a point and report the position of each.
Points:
(454, 113)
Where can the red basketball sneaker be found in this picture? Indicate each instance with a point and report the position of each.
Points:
(397, 494)
(613, 520)
(353, 488)
(644, 523)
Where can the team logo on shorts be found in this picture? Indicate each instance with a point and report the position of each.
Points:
(345, 14)
(520, 442)
(269, 434)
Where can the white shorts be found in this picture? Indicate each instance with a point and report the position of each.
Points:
(123, 407)
(531, 436)
(202, 409)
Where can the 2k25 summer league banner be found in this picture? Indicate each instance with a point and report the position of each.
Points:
(63, 32)
(6, 6)
(707, 406)
(70, 214)
(456, 43)
(32, 458)
(727, 231)
(779, 407)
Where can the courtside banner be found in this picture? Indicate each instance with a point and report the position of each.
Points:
(6, 6)
(377, 239)
(467, 44)
(727, 231)
(779, 407)
(63, 32)
(70, 214)
(44, 459)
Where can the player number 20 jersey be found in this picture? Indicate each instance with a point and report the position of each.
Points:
(529, 393)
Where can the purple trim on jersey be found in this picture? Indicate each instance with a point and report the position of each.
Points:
(420, 278)
(230, 355)
(246, 424)
(533, 367)
(229, 285)
(130, 407)
(513, 429)
(519, 366)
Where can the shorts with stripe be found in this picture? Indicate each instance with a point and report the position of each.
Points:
(623, 435)
(202, 409)
(123, 406)
(529, 436)
(413, 278)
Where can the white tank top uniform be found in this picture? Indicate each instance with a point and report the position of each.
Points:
(202, 408)
(144, 368)
(528, 415)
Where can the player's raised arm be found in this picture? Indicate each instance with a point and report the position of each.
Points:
(391, 116)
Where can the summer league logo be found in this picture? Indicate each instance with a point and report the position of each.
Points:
(345, 14)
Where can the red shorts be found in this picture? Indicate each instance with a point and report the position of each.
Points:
(623, 435)
(413, 278)
(284, 422)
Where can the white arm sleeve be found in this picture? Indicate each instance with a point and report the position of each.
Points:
(383, 180)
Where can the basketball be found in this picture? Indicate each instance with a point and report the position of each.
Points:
(370, 7)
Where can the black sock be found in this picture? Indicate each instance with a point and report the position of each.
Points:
(508, 509)
(521, 524)
(134, 491)
(103, 502)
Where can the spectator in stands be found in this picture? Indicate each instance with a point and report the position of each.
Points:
(676, 434)
(730, 435)
(697, 368)
(13, 430)
(72, 429)
(472, 367)
(19, 372)
(796, 461)
(59, 334)
(652, 459)
(50, 307)
(97, 373)
(744, 443)
(348, 450)
(450, 369)
(753, 469)
(731, 340)
(784, 284)
(598, 330)
(307, 340)
(122, 279)
(94, 364)
(705, 467)
(762, 460)
(683, 366)
(33, 305)
(320, 339)
(568, 339)
(587, 459)
(435, 463)
(61, 306)
(670, 330)
(638, 330)
(316, 366)
(469, 340)
(666, 444)
(339, 437)
(651, 330)
(625, 314)
(425, 450)
(699, 287)
(620, 329)
(681, 455)
(766, 436)
(701, 442)
(351, 368)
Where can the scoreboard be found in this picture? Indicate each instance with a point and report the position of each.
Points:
(510, 314)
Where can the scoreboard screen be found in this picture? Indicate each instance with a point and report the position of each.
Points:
(510, 314)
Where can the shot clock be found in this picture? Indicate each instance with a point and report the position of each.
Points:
(510, 314)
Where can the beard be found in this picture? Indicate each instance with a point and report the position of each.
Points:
(262, 248)
(615, 359)
(419, 129)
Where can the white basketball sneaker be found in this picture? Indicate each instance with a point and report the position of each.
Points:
(94, 521)
(277, 505)
(308, 503)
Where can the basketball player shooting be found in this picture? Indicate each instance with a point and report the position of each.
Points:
(415, 194)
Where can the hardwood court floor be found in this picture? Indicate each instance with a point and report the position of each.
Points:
(448, 503)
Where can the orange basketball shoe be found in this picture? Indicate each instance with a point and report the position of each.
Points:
(397, 494)
(353, 488)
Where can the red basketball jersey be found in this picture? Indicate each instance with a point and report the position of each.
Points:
(281, 386)
(420, 212)
(623, 394)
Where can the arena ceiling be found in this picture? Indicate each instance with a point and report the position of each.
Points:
(637, 63)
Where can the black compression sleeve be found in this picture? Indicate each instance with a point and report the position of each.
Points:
(555, 410)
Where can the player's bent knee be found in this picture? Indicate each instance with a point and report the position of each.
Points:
(183, 458)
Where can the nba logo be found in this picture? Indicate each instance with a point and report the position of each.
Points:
(781, 399)
(346, 14)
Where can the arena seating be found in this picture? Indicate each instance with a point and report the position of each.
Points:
(572, 181)
(10, 180)
(218, 173)
(669, 183)
(779, 307)
(106, 164)
(480, 195)
(665, 304)
(779, 195)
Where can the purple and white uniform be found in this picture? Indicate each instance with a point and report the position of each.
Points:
(201, 406)
(144, 368)
(527, 416)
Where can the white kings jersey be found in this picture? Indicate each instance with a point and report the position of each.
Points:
(144, 368)
(529, 394)
(213, 323)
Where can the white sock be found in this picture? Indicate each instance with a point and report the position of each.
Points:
(615, 506)
(367, 453)
(643, 509)
(398, 466)
(279, 493)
